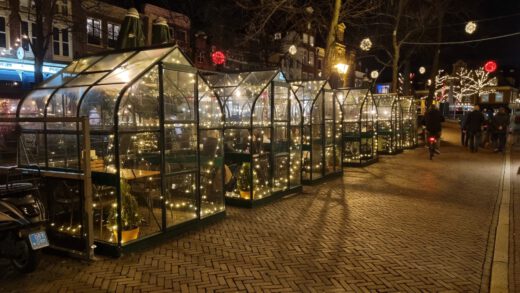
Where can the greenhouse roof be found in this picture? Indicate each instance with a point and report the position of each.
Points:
(352, 95)
(103, 78)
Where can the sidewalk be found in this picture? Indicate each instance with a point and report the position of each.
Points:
(405, 224)
(514, 243)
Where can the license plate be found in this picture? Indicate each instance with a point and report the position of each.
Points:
(38, 240)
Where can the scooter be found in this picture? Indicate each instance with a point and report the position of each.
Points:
(22, 218)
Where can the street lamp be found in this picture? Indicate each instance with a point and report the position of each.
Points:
(422, 70)
(342, 68)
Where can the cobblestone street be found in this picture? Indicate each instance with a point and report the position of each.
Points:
(403, 224)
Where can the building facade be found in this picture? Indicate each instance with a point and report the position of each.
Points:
(76, 28)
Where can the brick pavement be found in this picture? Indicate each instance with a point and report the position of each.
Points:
(404, 224)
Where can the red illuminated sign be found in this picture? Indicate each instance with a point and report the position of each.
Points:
(218, 58)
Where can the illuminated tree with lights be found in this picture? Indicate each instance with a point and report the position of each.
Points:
(467, 83)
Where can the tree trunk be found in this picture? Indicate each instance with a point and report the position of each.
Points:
(331, 38)
(395, 64)
(435, 63)
(406, 78)
(38, 70)
(397, 47)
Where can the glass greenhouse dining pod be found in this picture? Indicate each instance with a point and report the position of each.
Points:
(389, 124)
(359, 126)
(262, 135)
(409, 134)
(322, 134)
(156, 144)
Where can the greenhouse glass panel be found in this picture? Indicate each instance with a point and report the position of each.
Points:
(409, 134)
(176, 57)
(62, 151)
(69, 72)
(179, 96)
(140, 182)
(109, 62)
(389, 123)
(295, 142)
(359, 116)
(98, 105)
(320, 125)
(139, 107)
(33, 106)
(134, 66)
(86, 79)
(64, 103)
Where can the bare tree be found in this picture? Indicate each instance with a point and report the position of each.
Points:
(46, 14)
(283, 15)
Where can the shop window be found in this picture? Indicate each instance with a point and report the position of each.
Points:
(113, 34)
(94, 31)
(28, 34)
(484, 98)
(499, 97)
(60, 42)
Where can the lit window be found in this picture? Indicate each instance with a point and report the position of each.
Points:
(484, 98)
(3, 34)
(499, 97)
(94, 31)
(311, 58)
(60, 42)
(113, 34)
(311, 41)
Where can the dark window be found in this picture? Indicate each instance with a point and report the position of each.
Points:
(3, 36)
(25, 36)
(180, 35)
(56, 41)
(65, 42)
(60, 42)
(113, 33)
(94, 31)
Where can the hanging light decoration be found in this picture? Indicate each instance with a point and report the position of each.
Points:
(366, 44)
(471, 27)
(490, 66)
(218, 58)
(422, 70)
(374, 74)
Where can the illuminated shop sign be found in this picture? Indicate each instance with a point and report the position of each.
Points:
(27, 67)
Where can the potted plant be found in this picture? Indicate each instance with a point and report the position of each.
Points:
(130, 218)
(244, 181)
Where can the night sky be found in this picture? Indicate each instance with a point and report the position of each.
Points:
(505, 51)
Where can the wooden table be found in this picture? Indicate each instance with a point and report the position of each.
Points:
(131, 174)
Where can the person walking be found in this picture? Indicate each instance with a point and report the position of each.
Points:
(474, 128)
(499, 124)
(463, 131)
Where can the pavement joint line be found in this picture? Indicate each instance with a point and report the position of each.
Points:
(500, 263)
